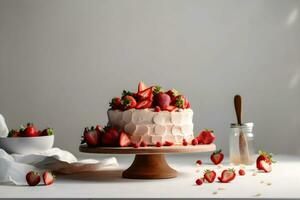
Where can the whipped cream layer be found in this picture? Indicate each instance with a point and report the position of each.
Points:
(152, 127)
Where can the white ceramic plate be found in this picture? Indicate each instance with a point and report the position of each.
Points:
(26, 145)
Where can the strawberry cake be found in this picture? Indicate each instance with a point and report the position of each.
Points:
(152, 115)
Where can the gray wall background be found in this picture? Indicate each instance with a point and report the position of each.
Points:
(62, 61)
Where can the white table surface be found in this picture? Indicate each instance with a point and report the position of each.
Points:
(284, 180)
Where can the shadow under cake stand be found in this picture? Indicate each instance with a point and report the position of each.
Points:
(149, 162)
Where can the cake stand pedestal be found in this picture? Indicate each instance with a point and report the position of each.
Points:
(149, 162)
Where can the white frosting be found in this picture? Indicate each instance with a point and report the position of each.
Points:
(152, 127)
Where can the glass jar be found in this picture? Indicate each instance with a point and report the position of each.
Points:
(241, 144)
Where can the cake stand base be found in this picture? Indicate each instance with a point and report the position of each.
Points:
(149, 166)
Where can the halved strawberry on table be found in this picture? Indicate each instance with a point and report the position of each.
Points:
(217, 157)
(264, 161)
(48, 178)
(227, 176)
(209, 175)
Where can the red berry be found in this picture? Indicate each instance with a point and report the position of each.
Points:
(184, 142)
(242, 172)
(194, 142)
(199, 181)
(136, 145)
(158, 144)
(143, 144)
(157, 109)
(199, 162)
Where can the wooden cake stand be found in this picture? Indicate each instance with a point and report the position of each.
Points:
(149, 162)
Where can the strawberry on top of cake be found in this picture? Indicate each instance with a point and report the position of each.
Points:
(152, 115)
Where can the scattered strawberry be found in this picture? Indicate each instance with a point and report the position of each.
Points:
(227, 176)
(91, 137)
(144, 104)
(124, 140)
(142, 86)
(184, 142)
(194, 141)
(242, 172)
(110, 137)
(47, 132)
(146, 94)
(33, 178)
(163, 100)
(143, 144)
(168, 143)
(206, 137)
(217, 157)
(157, 109)
(30, 131)
(170, 108)
(158, 144)
(48, 178)
(264, 166)
(116, 103)
(199, 181)
(267, 159)
(128, 102)
(199, 162)
(209, 175)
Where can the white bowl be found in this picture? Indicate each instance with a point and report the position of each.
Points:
(27, 145)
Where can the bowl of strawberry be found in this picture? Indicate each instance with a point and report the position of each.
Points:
(28, 139)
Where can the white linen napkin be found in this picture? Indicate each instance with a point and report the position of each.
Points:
(3, 127)
(14, 167)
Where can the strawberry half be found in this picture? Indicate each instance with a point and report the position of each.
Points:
(146, 94)
(209, 175)
(142, 86)
(264, 166)
(217, 157)
(168, 143)
(170, 108)
(206, 137)
(48, 178)
(227, 176)
(33, 178)
(144, 104)
(124, 140)
(265, 156)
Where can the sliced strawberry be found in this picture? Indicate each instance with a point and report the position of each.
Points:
(170, 108)
(48, 178)
(33, 178)
(209, 175)
(146, 94)
(268, 157)
(168, 143)
(227, 176)
(124, 140)
(142, 86)
(144, 104)
(264, 166)
(217, 157)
